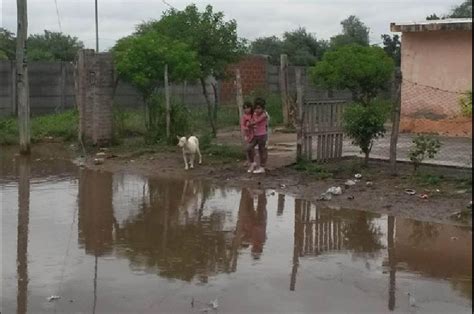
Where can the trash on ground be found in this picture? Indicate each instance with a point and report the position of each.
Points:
(98, 161)
(350, 183)
(369, 183)
(335, 190)
(424, 196)
(214, 304)
(325, 197)
(100, 154)
(454, 238)
(351, 197)
(358, 176)
(410, 191)
(53, 298)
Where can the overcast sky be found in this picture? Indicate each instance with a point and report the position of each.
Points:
(255, 18)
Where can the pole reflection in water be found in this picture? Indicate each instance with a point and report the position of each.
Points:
(391, 262)
(22, 236)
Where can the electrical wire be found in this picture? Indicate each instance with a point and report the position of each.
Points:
(58, 15)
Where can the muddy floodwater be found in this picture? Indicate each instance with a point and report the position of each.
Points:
(122, 243)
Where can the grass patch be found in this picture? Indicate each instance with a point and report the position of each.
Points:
(60, 125)
(313, 169)
(428, 179)
(224, 152)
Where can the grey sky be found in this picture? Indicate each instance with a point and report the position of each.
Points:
(255, 18)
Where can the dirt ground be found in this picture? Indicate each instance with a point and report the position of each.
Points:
(385, 195)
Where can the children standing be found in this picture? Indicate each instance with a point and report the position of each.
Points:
(246, 129)
(260, 124)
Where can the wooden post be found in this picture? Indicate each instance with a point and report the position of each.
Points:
(284, 88)
(168, 104)
(24, 172)
(23, 93)
(239, 94)
(299, 103)
(13, 88)
(395, 122)
(62, 86)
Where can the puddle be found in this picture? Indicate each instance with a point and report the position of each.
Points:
(128, 244)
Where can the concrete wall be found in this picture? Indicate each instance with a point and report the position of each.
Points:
(436, 67)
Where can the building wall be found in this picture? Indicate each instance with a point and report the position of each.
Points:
(437, 68)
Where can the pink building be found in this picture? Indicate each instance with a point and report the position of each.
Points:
(437, 70)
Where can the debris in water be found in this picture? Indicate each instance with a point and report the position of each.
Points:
(410, 191)
(214, 304)
(53, 298)
(454, 238)
(411, 300)
(358, 176)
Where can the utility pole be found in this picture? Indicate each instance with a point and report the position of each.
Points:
(23, 92)
(96, 27)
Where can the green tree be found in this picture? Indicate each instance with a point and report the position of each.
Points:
(365, 71)
(214, 40)
(7, 45)
(271, 46)
(392, 46)
(302, 47)
(354, 31)
(464, 10)
(53, 46)
(141, 58)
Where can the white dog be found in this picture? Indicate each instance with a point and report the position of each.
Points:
(190, 148)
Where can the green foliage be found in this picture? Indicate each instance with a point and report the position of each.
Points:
(354, 31)
(365, 123)
(424, 146)
(271, 46)
(273, 106)
(392, 47)
(313, 169)
(363, 70)
(53, 46)
(61, 125)
(128, 122)
(180, 122)
(141, 58)
(213, 39)
(433, 17)
(225, 152)
(466, 104)
(463, 10)
(302, 47)
(7, 45)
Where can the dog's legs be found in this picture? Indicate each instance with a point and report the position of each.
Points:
(192, 160)
(199, 155)
(186, 167)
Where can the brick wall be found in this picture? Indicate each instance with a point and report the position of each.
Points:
(253, 72)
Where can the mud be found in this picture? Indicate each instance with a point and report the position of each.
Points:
(124, 242)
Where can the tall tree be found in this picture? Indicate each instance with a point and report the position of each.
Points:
(354, 31)
(141, 59)
(271, 46)
(392, 47)
(7, 44)
(464, 10)
(53, 46)
(214, 40)
(302, 47)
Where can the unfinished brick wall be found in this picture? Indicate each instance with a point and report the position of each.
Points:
(253, 71)
(94, 96)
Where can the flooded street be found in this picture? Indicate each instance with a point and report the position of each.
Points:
(122, 243)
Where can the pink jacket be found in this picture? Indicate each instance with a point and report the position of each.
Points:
(246, 128)
(261, 124)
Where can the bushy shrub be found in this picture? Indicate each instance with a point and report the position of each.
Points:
(466, 104)
(424, 146)
(364, 124)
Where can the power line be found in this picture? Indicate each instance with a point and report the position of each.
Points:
(166, 3)
(57, 14)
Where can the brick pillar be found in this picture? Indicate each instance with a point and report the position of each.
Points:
(94, 96)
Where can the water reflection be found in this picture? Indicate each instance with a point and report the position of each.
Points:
(24, 171)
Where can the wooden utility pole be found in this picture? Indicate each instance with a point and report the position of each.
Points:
(395, 121)
(23, 93)
(284, 88)
(239, 94)
(96, 26)
(299, 117)
(168, 104)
